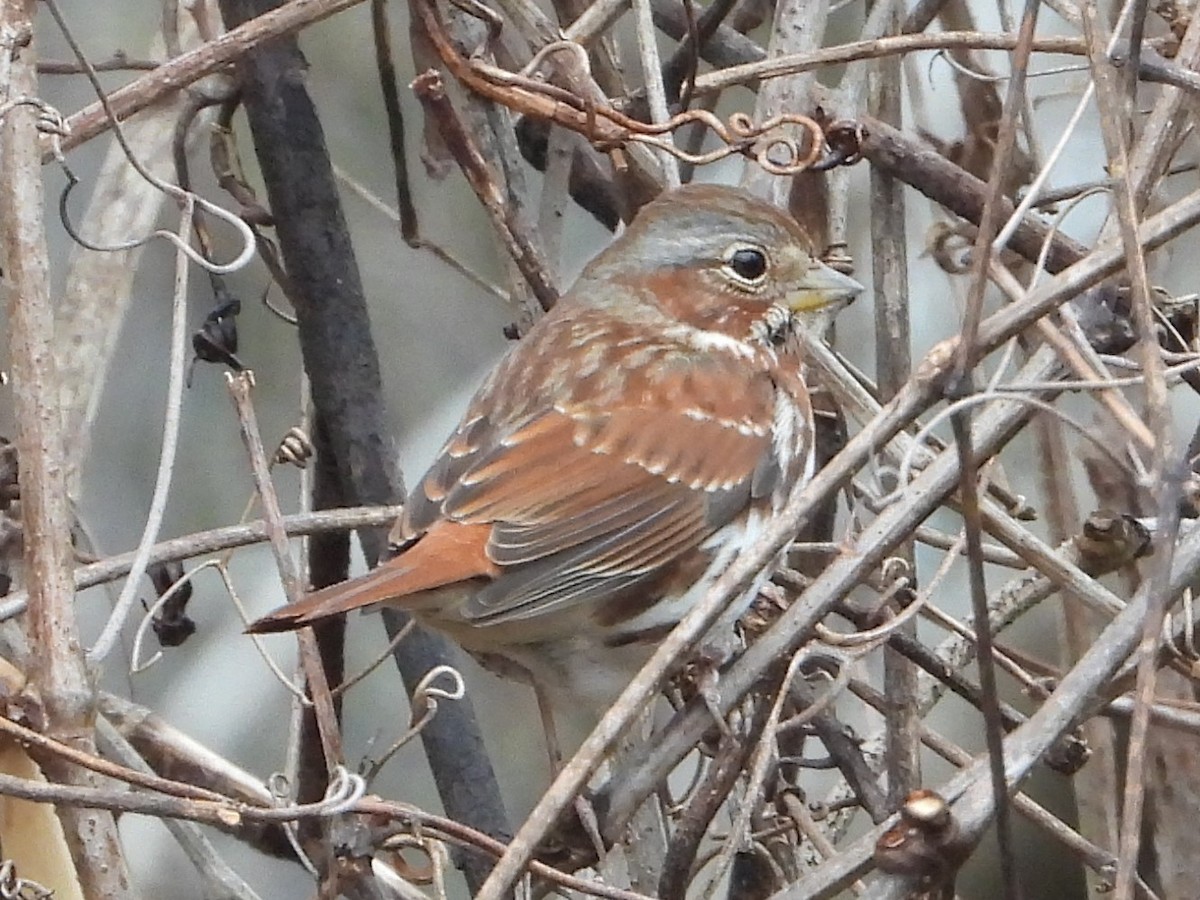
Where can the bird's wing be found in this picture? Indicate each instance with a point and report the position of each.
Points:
(567, 483)
(585, 498)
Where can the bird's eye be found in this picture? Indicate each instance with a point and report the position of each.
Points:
(747, 264)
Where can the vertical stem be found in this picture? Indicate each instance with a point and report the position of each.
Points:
(893, 357)
(240, 386)
(58, 671)
(1096, 785)
(798, 26)
(647, 39)
(1167, 466)
(962, 384)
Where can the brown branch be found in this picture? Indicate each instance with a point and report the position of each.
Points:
(183, 70)
(723, 771)
(202, 542)
(893, 360)
(48, 746)
(432, 93)
(328, 564)
(59, 672)
(856, 51)
(921, 166)
(118, 63)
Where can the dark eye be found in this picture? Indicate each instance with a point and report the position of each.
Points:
(748, 263)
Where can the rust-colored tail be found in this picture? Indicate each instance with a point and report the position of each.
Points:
(448, 553)
(376, 586)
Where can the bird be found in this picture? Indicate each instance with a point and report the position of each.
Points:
(618, 457)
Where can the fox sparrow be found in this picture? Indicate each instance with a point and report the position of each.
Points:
(621, 455)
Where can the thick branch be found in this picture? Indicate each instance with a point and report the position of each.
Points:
(59, 673)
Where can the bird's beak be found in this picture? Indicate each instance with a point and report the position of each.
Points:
(822, 289)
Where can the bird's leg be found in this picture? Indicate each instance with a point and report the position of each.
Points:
(701, 677)
(708, 679)
(591, 824)
(546, 711)
(583, 807)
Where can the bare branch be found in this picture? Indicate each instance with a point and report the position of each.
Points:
(59, 671)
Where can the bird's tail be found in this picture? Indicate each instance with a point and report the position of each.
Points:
(375, 587)
(447, 554)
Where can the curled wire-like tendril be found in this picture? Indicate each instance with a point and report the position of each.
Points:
(987, 77)
(569, 47)
(280, 788)
(766, 143)
(295, 448)
(894, 568)
(425, 699)
(872, 636)
(189, 200)
(49, 120)
(13, 887)
(843, 139)
(427, 694)
(608, 128)
(136, 666)
(1187, 651)
(896, 571)
(434, 850)
(344, 791)
(740, 134)
(275, 310)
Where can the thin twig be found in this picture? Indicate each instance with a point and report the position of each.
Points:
(240, 385)
(212, 541)
(190, 67)
(793, 64)
(893, 355)
(647, 40)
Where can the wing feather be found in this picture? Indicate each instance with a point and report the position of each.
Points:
(588, 497)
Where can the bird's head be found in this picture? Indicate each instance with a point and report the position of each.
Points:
(720, 260)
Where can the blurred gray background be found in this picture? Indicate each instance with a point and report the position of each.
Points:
(437, 334)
